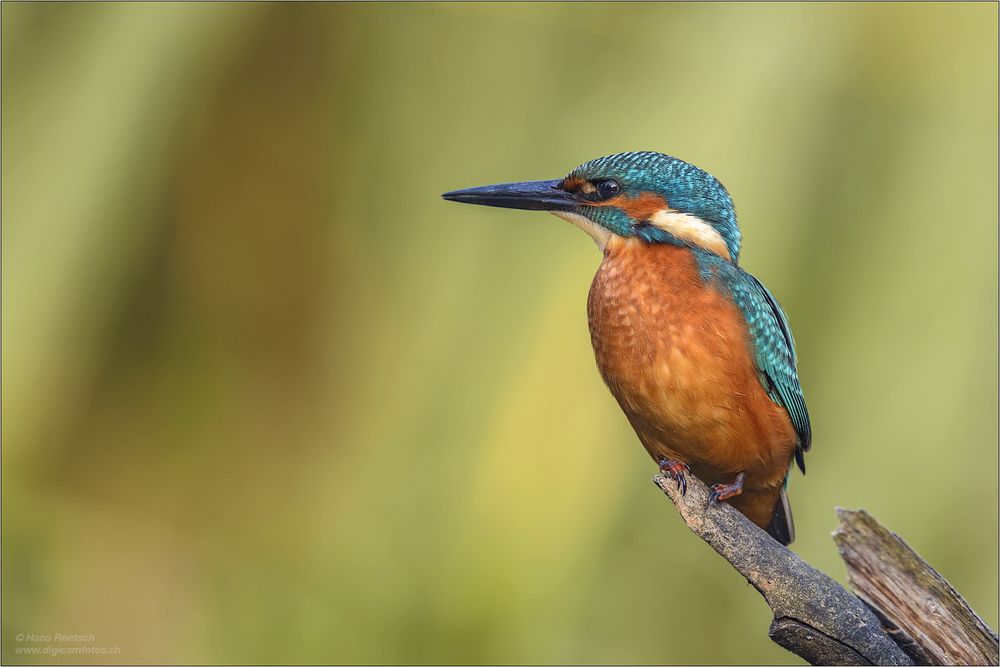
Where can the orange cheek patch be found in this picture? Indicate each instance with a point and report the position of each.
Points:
(576, 184)
(638, 208)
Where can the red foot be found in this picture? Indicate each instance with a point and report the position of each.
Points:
(677, 471)
(726, 491)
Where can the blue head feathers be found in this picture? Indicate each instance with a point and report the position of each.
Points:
(658, 198)
(650, 196)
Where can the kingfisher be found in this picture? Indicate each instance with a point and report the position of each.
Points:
(697, 352)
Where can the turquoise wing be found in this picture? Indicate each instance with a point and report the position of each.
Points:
(774, 354)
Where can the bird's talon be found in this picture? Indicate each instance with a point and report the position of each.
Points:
(726, 491)
(677, 471)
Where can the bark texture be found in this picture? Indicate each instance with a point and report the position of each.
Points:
(922, 611)
(904, 614)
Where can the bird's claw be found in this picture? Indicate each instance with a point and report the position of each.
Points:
(726, 491)
(677, 471)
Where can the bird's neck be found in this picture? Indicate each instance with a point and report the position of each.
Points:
(709, 264)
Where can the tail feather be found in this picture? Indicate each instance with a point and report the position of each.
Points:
(768, 508)
(781, 527)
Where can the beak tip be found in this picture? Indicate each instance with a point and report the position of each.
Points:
(529, 195)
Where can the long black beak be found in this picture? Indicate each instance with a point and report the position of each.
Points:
(532, 196)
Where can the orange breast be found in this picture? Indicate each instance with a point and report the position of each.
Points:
(675, 352)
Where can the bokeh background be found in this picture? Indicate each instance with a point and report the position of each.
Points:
(267, 398)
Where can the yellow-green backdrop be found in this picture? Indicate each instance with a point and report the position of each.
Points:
(267, 398)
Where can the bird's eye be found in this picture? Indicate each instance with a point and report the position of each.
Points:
(608, 189)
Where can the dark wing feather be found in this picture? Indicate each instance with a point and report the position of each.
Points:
(774, 354)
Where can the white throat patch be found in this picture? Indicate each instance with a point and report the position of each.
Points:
(692, 229)
(684, 226)
(594, 230)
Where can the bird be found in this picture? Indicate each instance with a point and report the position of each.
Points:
(697, 352)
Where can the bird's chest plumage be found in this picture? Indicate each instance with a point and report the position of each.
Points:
(675, 352)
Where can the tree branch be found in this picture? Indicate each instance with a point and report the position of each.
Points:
(926, 615)
(905, 613)
(814, 616)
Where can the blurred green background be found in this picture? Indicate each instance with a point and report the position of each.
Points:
(267, 398)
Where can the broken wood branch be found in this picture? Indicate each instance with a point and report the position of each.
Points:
(922, 611)
(821, 621)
